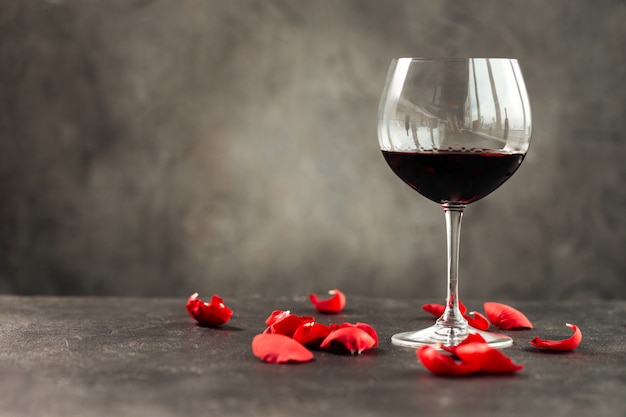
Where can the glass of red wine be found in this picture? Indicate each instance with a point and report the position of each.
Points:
(454, 130)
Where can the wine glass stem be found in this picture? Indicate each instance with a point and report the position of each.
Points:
(452, 325)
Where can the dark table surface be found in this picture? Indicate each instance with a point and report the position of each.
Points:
(146, 357)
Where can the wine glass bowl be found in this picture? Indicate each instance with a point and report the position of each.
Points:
(454, 130)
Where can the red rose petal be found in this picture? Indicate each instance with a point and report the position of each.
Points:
(472, 355)
(370, 330)
(278, 348)
(285, 324)
(477, 320)
(471, 338)
(434, 309)
(486, 358)
(363, 326)
(506, 317)
(213, 313)
(311, 334)
(462, 307)
(438, 309)
(276, 315)
(352, 338)
(442, 363)
(566, 344)
(331, 305)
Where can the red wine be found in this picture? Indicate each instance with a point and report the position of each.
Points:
(454, 176)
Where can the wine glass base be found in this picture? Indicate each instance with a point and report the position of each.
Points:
(429, 337)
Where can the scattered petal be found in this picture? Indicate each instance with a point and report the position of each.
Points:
(566, 344)
(506, 317)
(472, 355)
(363, 326)
(438, 309)
(477, 320)
(486, 358)
(351, 338)
(434, 309)
(370, 330)
(442, 363)
(278, 348)
(472, 338)
(462, 307)
(276, 315)
(311, 334)
(285, 324)
(331, 305)
(213, 313)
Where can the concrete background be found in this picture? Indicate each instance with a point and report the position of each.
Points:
(166, 147)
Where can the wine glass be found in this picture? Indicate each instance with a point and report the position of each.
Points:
(454, 129)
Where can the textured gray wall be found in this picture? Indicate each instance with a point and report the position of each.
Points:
(164, 147)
